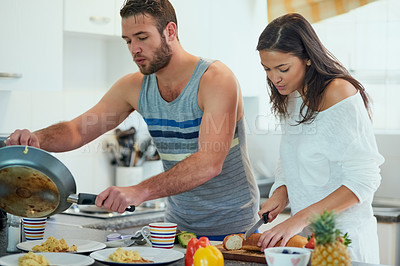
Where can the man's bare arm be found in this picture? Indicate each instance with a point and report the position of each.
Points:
(108, 113)
(218, 98)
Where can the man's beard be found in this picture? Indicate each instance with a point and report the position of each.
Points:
(162, 56)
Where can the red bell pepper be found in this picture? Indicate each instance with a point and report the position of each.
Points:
(193, 245)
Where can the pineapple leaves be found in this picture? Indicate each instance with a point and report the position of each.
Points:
(325, 231)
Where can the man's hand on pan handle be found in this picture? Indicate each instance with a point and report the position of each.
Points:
(23, 137)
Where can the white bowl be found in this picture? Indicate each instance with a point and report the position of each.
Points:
(275, 256)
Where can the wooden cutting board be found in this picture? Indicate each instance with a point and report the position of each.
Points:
(242, 255)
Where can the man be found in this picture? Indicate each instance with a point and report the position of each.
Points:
(194, 111)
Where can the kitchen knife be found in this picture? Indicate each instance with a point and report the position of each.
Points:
(263, 220)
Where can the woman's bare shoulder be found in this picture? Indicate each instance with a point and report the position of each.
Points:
(337, 90)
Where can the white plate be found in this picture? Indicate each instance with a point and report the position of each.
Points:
(66, 259)
(84, 246)
(159, 256)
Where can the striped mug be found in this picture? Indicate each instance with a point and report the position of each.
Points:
(34, 228)
(160, 235)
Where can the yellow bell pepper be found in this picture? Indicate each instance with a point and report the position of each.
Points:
(208, 256)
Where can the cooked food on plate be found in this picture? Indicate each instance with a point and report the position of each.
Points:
(31, 259)
(126, 256)
(237, 241)
(52, 244)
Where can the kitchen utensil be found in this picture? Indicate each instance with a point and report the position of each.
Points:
(3, 219)
(263, 220)
(137, 239)
(33, 183)
(2, 142)
(92, 209)
(126, 141)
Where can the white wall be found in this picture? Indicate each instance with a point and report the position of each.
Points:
(92, 63)
(34, 110)
(225, 30)
(366, 40)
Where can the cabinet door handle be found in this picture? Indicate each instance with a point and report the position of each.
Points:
(10, 75)
(97, 19)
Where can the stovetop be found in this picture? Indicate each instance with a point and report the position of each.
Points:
(95, 212)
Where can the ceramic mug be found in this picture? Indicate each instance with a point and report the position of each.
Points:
(160, 235)
(34, 228)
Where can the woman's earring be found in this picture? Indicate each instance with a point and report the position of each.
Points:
(308, 63)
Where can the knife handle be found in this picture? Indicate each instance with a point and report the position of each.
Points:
(265, 217)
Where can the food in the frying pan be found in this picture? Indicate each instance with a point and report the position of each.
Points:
(31, 258)
(52, 244)
(126, 256)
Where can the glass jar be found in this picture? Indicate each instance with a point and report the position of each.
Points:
(13, 232)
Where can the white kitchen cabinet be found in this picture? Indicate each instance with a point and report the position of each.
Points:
(389, 243)
(117, 17)
(228, 31)
(91, 16)
(31, 44)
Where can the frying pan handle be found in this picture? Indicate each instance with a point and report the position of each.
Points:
(2, 141)
(90, 199)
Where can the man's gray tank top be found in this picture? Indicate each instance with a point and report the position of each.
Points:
(226, 204)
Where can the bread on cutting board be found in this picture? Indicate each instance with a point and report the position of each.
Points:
(237, 241)
(233, 242)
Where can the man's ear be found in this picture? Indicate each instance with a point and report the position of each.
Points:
(170, 31)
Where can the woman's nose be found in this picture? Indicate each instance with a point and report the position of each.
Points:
(275, 78)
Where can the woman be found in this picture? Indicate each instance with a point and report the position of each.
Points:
(328, 154)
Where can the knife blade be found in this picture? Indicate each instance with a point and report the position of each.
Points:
(263, 220)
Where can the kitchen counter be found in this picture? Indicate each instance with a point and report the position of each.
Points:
(387, 216)
(77, 227)
(382, 214)
(62, 225)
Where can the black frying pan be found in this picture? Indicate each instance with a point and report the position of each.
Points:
(33, 183)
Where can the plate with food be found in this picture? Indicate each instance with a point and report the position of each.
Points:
(136, 256)
(52, 244)
(45, 258)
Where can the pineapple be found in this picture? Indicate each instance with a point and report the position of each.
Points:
(330, 246)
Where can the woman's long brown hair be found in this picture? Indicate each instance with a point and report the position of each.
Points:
(292, 33)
